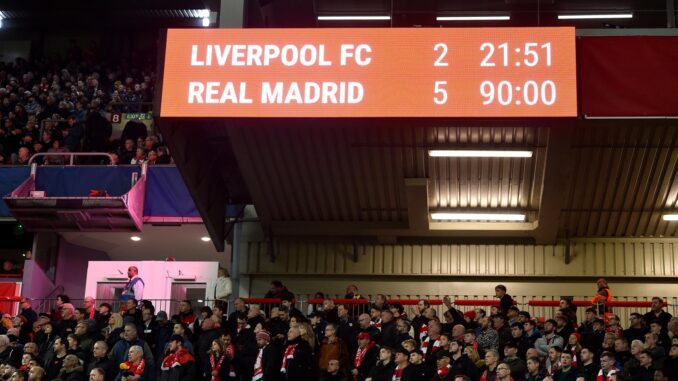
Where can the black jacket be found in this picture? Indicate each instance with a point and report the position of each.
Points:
(389, 335)
(369, 362)
(110, 369)
(299, 365)
(183, 372)
(464, 365)
(382, 372)
(589, 372)
(418, 373)
(271, 361)
(246, 352)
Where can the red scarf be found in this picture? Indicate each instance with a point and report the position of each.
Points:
(605, 377)
(216, 365)
(258, 368)
(423, 332)
(178, 358)
(442, 372)
(398, 373)
(289, 354)
(378, 325)
(230, 353)
(360, 355)
(573, 350)
(425, 344)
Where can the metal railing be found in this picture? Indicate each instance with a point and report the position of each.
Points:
(171, 306)
(72, 156)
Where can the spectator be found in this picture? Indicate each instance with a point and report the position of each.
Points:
(73, 134)
(365, 356)
(549, 340)
(566, 372)
(488, 340)
(55, 359)
(186, 313)
(71, 370)
(297, 358)
(135, 368)
(403, 371)
(332, 348)
(491, 363)
(279, 291)
(121, 349)
(266, 365)
(222, 290)
(657, 313)
(607, 366)
(100, 361)
(179, 364)
(636, 330)
(671, 363)
(534, 370)
(98, 132)
(333, 372)
(587, 368)
(27, 312)
(385, 367)
(127, 152)
(505, 300)
(504, 372)
(515, 363)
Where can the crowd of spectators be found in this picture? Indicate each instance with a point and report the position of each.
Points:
(46, 106)
(377, 342)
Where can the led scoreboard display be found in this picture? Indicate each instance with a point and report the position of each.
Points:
(441, 72)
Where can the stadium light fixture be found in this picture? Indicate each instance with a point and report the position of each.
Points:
(353, 18)
(205, 22)
(474, 18)
(477, 153)
(593, 16)
(135, 238)
(205, 239)
(670, 217)
(477, 216)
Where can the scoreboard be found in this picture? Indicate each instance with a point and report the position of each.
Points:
(370, 72)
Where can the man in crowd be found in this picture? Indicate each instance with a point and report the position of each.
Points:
(517, 365)
(266, 366)
(179, 364)
(134, 287)
(120, 350)
(566, 372)
(636, 330)
(505, 300)
(587, 368)
(365, 356)
(549, 340)
(100, 360)
(657, 313)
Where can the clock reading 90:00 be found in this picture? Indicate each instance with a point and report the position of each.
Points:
(529, 93)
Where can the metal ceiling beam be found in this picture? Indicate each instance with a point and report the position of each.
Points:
(557, 177)
(416, 191)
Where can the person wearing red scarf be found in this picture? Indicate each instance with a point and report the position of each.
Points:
(179, 365)
(365, 357)
(217, 366)
(444, 371)
(267, 364)
(403, 370)
(297, 358)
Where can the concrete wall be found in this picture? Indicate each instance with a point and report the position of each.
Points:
(158, 276)
(72, 265)
(36, 284)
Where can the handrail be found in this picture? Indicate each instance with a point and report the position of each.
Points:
(57, 290)
(72, 156)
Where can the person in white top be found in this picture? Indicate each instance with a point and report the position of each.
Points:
(223, 288)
